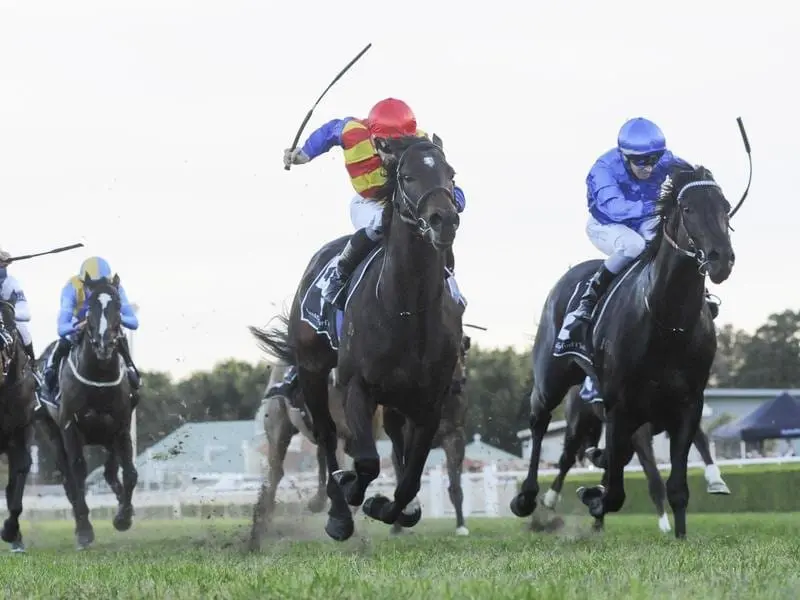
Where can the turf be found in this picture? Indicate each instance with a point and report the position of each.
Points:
(726, 556)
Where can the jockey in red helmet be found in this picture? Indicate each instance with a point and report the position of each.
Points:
(389, 118)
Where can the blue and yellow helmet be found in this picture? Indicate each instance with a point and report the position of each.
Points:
(95, 268)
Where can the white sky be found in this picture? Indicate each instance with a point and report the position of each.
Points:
(153, 131)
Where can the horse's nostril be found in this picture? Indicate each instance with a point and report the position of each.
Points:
(436, 220)
(713, 255)
(733, 257)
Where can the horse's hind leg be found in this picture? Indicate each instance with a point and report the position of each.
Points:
(124, 450)
(314, 386)
(643, 446)
(714, 482)
(279, 432)
(19, 465)
(454, 445)
(545, 396)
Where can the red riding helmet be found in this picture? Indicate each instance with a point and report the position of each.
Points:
(391, 118)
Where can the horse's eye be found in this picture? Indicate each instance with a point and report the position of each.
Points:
(408, 178)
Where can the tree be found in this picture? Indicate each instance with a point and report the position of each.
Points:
(771, 357)
(730, 357)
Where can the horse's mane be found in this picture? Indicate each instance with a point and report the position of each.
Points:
(667, 201)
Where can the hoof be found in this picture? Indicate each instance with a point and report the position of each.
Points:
(719, 488)
(598, 525)
(317, 504)
(462, 531)
(85, 537)
(595, 456)
(374, 506)
(523, 505)
(17, 547)
(593, 498)
(123, 519)
(339, 529)
(409, 519)
(550, 499)
(10, 533)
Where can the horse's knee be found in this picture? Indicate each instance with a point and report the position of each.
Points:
(368, 467)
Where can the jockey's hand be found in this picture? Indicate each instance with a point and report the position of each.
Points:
(79, 326)
(5, 258)
(294, 157)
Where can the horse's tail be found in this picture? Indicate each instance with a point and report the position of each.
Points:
(275, 341)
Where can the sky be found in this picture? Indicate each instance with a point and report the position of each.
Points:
(153, 132)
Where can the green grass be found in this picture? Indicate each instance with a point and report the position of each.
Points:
(726, 556)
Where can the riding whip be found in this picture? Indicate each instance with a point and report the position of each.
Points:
(750, 161)
(53, 251)
(335, 79)
(475, 326)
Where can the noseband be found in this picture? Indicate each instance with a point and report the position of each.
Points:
(401, 200)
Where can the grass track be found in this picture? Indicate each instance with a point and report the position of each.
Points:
(747, 556)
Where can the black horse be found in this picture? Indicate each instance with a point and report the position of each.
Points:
(94, 409)
(17, 406)
(654, 342)
(399, 340)
(582, 435)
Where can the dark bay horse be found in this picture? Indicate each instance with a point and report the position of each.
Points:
(582, 436)
(94, 409)
(400, 335)
(654, 343)
(17, 406)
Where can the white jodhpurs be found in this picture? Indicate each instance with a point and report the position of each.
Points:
(619, 242)
(369, 215)
(24, 333)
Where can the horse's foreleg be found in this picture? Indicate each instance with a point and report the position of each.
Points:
(124, 451)
(393, 425)
(359, 410)
(643, 446)
(524, 503)
(317, 503)
(19, 465)
(76, 465)
(314, 387)
(572, 443)
(110, 473)
(714, 482)
(422, 431)
(454, 444)
(680, 442)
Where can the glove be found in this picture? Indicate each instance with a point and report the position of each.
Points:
(5, 258)
(294, 157)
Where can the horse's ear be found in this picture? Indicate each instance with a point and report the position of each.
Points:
(438, 141)
(115, 281)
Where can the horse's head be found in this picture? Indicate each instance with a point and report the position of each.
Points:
(695, 220)
(421, 187)
(103, 316)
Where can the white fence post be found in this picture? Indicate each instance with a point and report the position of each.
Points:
(436, 485)
(490, 492)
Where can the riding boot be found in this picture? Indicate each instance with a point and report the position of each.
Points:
(357, 249)
(51, 371)
(574, 334)
(713, 304)
(133, 373)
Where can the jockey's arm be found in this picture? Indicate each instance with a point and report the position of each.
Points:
(66, 314)
(12, 292)
(324, 138)
(129, 318)
(607, 197)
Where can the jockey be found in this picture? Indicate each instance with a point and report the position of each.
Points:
(623, 186)
(389, 118)
(11, 292)
(71, 321)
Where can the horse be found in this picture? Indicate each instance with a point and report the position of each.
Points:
(95, 408)
(398, 338)
(582, 436)
(654, 342)
(17, 407)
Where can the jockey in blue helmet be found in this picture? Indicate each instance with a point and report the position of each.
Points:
(623, 186)
(71, 320)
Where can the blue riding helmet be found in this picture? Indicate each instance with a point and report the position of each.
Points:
(639, 137)
(95, 268)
